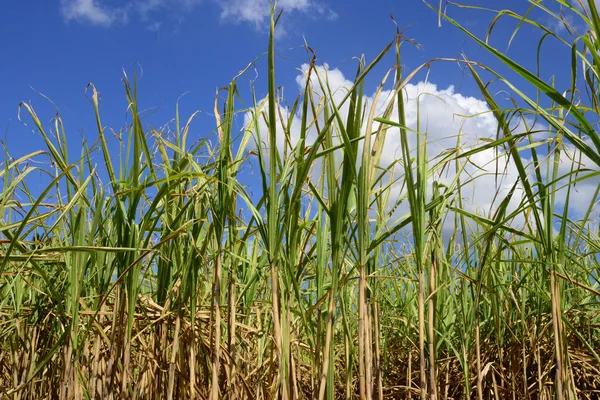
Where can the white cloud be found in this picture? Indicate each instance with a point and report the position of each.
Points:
(101, 13)
(90, 11)
(151, 12)
(444, 114)
(258, 11)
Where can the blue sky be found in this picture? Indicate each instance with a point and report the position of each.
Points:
(56, 47)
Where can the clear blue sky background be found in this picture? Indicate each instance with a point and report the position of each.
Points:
(56, 47)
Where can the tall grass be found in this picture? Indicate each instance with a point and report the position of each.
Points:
(157, 274)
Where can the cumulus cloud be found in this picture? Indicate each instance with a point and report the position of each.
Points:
(256, 12)
(441, 115)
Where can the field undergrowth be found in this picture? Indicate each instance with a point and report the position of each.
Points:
(153, 273)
